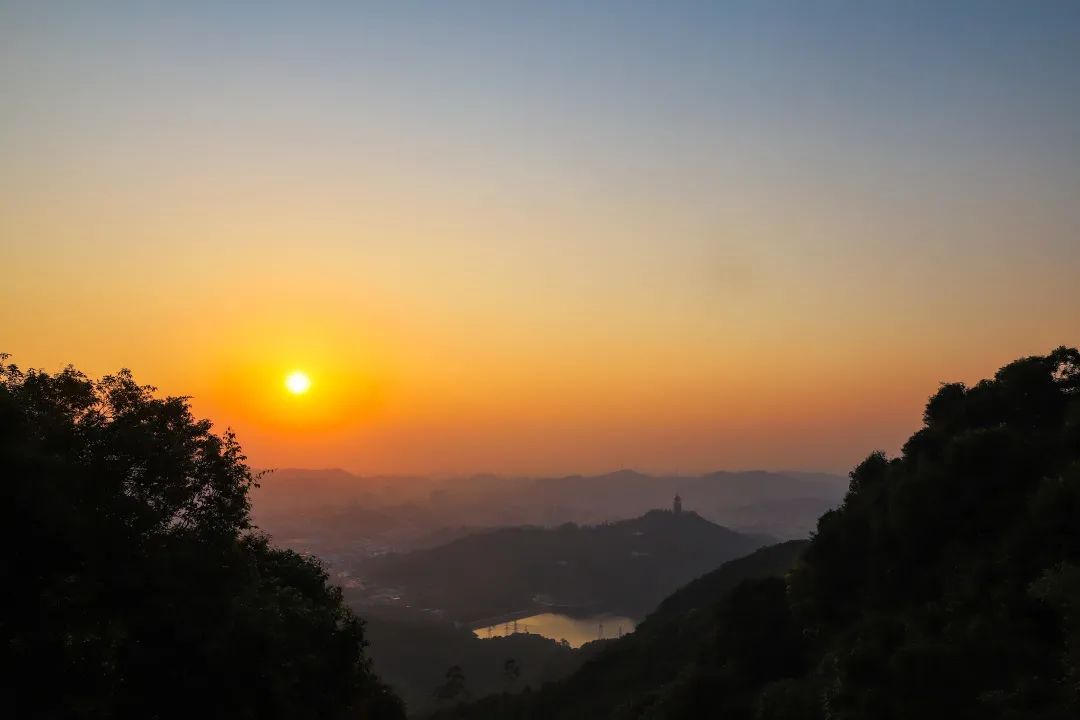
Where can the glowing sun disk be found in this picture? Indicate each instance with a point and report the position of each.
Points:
(297, 383)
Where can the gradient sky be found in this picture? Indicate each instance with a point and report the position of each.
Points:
(546, 237)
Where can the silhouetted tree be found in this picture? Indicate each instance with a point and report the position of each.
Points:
(136, 584)
(511, 671)
(453, 687)
(937, 589)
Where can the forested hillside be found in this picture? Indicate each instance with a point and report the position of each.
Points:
(622, 567)
(947, 585)
(135, 584)
(412, 652)
(628, 672)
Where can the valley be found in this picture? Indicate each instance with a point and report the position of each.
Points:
(472, 573)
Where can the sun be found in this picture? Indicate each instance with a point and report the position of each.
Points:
(297, 382)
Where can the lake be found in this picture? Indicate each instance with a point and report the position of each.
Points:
(575, 630)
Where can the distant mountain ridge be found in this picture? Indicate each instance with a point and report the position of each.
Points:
(397, 512)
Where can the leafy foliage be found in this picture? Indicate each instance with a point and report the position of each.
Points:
(137, 585)
(945, 586)
(921, 587)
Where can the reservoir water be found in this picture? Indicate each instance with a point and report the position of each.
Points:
(575, 630)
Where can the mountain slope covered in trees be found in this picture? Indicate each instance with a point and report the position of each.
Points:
(136, 584)
(621, 567)
(947, 585)
(628, 672)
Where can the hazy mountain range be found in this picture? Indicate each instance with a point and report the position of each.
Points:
(345, 517)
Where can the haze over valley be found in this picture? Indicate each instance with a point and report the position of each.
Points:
(531, 568)
(341, 514)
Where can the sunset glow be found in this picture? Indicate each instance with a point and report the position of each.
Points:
(656, 238)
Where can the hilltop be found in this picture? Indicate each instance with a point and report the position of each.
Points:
(624, 567)
(346, 518)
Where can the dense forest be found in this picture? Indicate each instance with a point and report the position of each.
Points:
(136, 585)
(947, 585)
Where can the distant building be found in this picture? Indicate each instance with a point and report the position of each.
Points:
(676, 507)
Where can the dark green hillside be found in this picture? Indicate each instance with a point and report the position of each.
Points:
(135, 586)
(634, 671)
(700, 595)
(947, 585)
(624, 567)
(412, 654)
(940, 586)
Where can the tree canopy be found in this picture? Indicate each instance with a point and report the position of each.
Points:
(935, 588)
(946, 585)
(138, 586)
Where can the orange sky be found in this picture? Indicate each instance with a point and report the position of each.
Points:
(490, 256)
